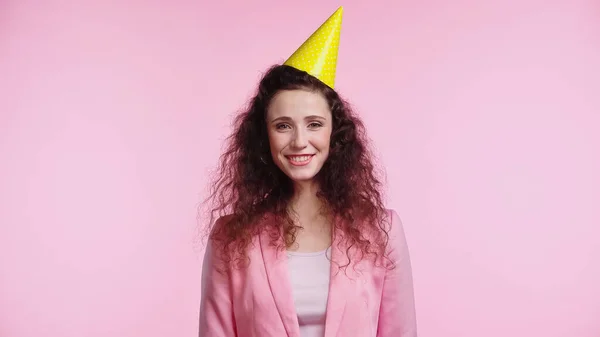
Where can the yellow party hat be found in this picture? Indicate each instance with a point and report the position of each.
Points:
(318, 54)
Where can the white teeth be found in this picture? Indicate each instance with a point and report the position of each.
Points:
(299, 158)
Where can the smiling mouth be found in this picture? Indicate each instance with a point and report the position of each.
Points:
(300, 160)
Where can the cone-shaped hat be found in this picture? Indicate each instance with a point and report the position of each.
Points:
(318, 54)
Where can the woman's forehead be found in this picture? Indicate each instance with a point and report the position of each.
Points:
(298, 103)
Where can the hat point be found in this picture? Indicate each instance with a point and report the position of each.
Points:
(318, 54)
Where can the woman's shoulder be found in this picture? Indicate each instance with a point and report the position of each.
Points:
(397, 238)
(218, 225)
(231, 228)
(392, 219)
(228, 245)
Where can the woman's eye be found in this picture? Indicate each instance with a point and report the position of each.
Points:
(314, 125)
(282, 126)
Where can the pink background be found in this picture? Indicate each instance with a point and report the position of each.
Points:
(485, 116)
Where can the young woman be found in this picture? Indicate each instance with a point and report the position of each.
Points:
(302, 244)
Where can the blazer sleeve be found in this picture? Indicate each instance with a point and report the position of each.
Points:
(216, 306)
(397, 317)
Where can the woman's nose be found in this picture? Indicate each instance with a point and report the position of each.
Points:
(300, 139)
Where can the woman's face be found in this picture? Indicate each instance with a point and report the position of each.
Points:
(299, 125)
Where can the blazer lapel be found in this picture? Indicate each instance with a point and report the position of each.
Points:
(339, 288)
(276, 267)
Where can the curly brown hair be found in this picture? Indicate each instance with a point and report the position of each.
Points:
(249, 186)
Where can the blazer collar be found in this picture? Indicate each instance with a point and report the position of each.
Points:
(276, 267)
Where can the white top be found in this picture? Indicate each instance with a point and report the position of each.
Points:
(309, 275)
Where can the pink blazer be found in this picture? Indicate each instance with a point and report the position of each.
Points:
(365, 300)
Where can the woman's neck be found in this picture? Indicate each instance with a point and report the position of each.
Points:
(306, 205)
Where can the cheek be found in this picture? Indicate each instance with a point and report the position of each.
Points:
(276, 143)
(323, 141)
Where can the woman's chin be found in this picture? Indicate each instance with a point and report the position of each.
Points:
(302, 178)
